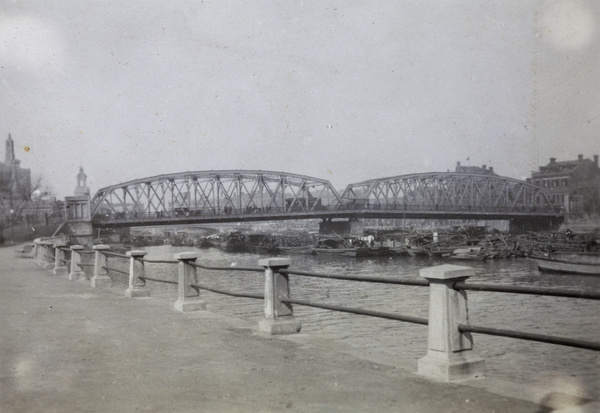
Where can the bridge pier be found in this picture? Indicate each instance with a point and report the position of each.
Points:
(521, 225)
(350, 226)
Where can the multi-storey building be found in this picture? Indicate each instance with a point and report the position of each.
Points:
(572, 185)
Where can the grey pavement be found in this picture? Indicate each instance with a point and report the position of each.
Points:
(67, 347)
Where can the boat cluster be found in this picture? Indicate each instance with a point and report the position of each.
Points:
(567, 252)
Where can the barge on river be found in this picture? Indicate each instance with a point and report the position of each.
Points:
(573, 263)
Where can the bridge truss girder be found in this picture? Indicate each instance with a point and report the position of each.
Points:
(448, 191)
(215, 194)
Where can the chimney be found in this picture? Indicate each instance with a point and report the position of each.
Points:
(596, 160)
(491, 169)
(457, 163)
(580, 158)
(552, 160)
(483, 167)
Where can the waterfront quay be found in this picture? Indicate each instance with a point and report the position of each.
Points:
(68, 347)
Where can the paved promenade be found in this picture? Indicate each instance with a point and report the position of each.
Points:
(66, 347)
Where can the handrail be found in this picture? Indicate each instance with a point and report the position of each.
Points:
(158, 280)
(359, 311)
(104, 267)
(225, 292)
(378, 280)
(206, 267)
(515, 289)
(114, 254)
(158, 261)
(543, 338)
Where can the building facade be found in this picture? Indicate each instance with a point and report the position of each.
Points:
(572, 185)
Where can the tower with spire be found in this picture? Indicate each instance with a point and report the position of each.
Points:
(82, 189)
(9, 155)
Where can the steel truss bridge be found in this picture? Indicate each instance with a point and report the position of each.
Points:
(238, 195)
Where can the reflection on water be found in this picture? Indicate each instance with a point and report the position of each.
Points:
(403, 343)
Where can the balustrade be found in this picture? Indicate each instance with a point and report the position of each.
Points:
(450, 351)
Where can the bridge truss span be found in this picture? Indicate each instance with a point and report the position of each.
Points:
(206, 196)
(450, 193)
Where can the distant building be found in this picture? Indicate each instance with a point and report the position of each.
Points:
(572, 185)
(15, 184)
(483, 170)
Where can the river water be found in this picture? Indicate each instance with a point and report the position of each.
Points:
(402, 344)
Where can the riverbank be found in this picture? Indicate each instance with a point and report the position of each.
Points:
(68, 347)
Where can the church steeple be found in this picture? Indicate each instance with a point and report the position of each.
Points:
(10, 151)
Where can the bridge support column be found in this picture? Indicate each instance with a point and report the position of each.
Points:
(136, 275)
(76, 269)
(450, 352)
(188, 298)
(279, 317)
(60, 267)
(100, 278)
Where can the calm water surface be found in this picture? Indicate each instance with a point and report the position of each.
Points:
(399, 343)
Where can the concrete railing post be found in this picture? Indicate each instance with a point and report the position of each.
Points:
(136, 275)
(48, 255)
(188, 298)
(450, 352)
(100, 278)
(279, 317)
(77, 272)
(60, 267)
(38, 252)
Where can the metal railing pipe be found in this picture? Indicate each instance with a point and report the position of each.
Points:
(517, 289)
(359, 311)
(377, 280)
(542, 338)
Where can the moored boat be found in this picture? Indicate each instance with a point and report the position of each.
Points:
(469, 253)
(574, 263)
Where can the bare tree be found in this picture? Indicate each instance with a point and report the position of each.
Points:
(25, 202)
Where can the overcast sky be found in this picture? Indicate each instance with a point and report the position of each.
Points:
(340, 90)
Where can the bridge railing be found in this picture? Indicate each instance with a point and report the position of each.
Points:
(450, 353)
(133, 216)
